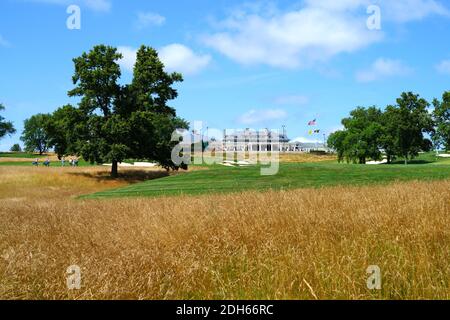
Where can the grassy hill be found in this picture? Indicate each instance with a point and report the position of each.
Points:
(218, 179)
(426, 158)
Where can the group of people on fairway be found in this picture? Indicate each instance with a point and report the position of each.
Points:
(73, 162)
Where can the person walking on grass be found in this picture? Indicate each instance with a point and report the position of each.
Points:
(75, 161)
(63, 161)
(47, 162)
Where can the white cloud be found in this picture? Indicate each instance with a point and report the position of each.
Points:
(334, 5)
(147, 19)
(292, 100)
(266, 116)
(96, 5)
(399, 11)
(334, 129)
(4, 42)
(176, 57)
(129, 58)
(316, 32)
(292, 39)
(383, 68)
(444, 67)
(410, 10)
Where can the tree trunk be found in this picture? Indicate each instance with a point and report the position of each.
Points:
(114, 170)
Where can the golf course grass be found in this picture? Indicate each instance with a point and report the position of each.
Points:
(218, 179)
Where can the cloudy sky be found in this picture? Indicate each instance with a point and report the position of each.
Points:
(246, 64)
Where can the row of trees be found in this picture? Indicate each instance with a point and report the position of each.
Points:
(399, 131)
(112, 122)
(7, 128)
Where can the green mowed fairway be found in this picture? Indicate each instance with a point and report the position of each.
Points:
(218, 179)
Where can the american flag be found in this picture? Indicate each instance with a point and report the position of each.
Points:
(312, 123)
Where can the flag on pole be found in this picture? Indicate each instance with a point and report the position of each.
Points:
(312, 123)
(316, 131)
(310, 132)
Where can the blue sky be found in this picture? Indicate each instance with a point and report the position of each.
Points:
(246, 64)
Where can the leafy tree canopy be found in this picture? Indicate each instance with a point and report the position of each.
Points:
(398, 131)
(114, 122)
(410, 121)
(35, 136)
(360, 139)
(441, 117)
(16, 148)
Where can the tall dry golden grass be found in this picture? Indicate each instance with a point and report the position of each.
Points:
(306, 157)
(301, 244)
(52, 157)
(285, 157)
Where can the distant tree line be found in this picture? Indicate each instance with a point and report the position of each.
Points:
(112, 122)
(35, 136)
(16, 148)
(398, 131)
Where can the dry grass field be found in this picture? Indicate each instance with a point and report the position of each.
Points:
(299, 244)
(52, 158)
(285, 157)
(305, 157)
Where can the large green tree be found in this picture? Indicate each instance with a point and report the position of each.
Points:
(408, 121)
(6, 127)
(66, 130)
(16, 148)
(441, 117)
(114, 122)
(336, 141)
(35, 136)
(360, 138)
(388, 137)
